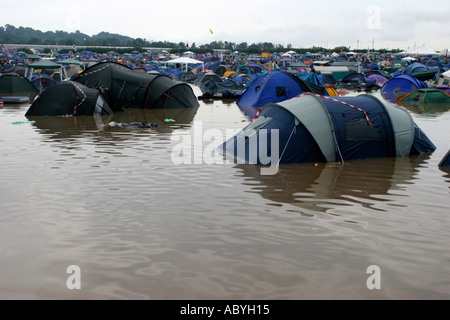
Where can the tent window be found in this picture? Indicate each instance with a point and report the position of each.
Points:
(281, 91)
(358, 129)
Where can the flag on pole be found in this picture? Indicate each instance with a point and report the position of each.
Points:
(211, 31)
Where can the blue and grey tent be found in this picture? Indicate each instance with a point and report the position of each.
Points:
(397, 86)
(275, 87)
(313, 128)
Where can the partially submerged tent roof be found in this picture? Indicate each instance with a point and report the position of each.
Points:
(427, 101)
(14, 85)
(313, 128)
(69, 98)
(445, 162)
(425, 95)
(130, 89)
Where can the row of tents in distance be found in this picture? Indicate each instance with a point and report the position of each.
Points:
(285, 85)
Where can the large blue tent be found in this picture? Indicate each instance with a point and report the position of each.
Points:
(275, 87)
(313, 128)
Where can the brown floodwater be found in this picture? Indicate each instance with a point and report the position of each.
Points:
(143, 220)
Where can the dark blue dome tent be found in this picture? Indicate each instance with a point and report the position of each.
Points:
(43, 81)
(397, 86)
(314, 128)
(274, 87)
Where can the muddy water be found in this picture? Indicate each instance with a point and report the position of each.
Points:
(115, 202)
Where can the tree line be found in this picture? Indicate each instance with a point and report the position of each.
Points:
(25, 35)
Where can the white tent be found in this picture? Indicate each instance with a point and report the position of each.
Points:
(445, 53)
(184, 61)
(422, 51)
(446, 74)
(408, 59)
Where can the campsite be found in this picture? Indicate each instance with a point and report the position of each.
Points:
(149, 171)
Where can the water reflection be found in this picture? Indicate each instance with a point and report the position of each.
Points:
(60, 128)
(426, 109)
(323, 186)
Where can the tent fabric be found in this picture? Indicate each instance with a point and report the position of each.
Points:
(424, 96)
(43, 81)
(69, 98)
(207, 76)
(357, 81)
(314, 128)
(209, 87)
(185, 61)
(130, 89)
(402, 84)
(445, 162)
(422, 71)
(378, 79)
(309, 111)
(44, 65)
(14, 85)
(276, 86)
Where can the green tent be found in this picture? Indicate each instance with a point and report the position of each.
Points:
(44, 65)
(425, 96)
(425, 101)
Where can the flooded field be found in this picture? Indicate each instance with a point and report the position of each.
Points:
(138, 225)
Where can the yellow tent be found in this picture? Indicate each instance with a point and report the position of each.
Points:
(227, 73)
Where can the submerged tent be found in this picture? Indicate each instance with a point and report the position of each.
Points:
(209, 87)
(276, 86)
(206, 76)
(14, 85)
(424, 96)
(358, 81)
(130, 89)
(397, 86)
(69, 98)
(428, 101)
(312, 128)
(445, 162)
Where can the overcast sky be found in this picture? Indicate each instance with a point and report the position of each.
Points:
(391, 24)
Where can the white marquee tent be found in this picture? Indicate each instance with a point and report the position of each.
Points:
(185, 61)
